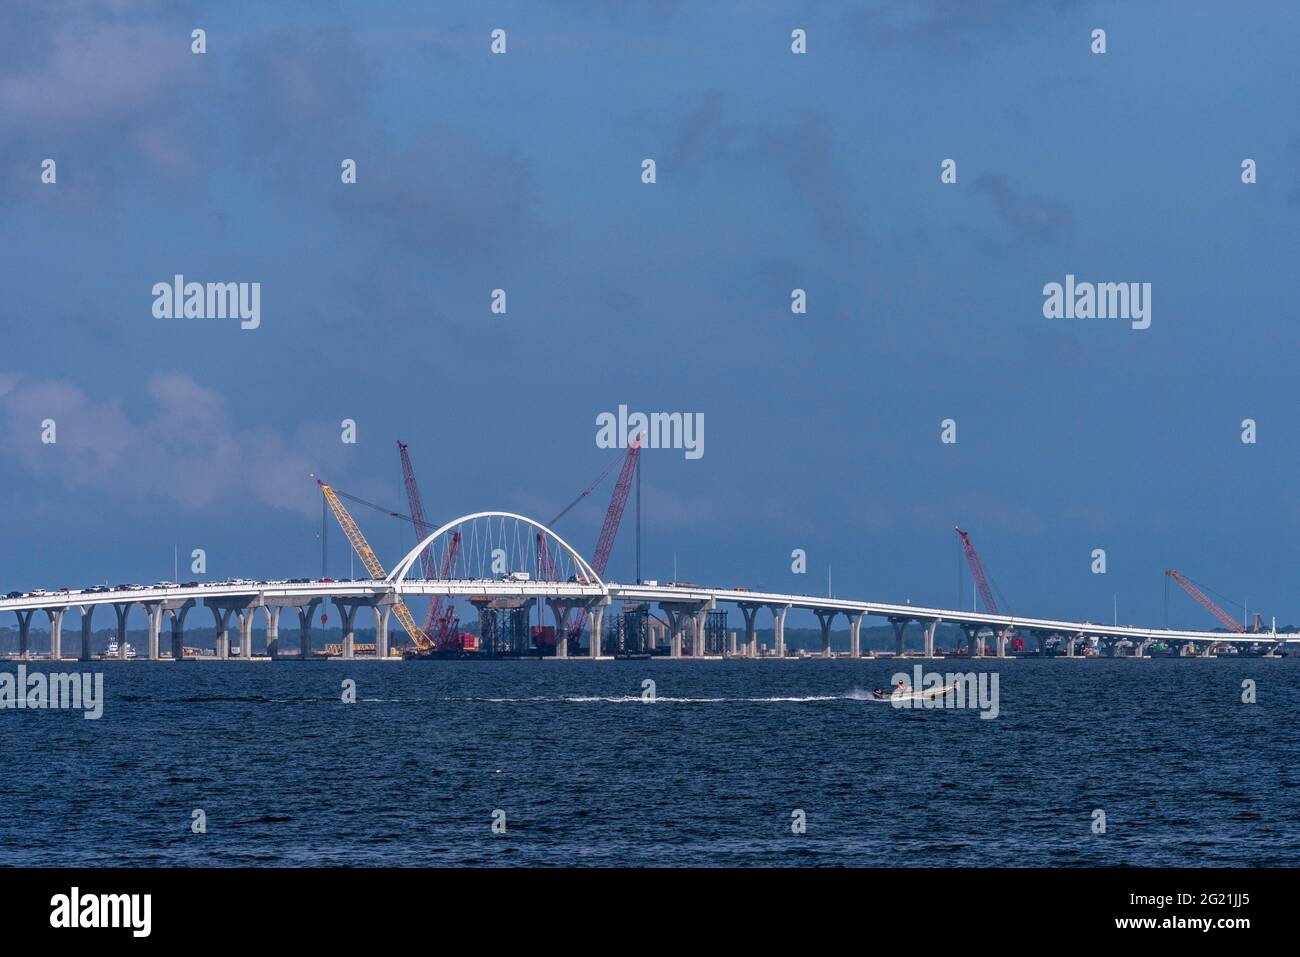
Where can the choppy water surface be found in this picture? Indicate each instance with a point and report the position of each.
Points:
(709, 774)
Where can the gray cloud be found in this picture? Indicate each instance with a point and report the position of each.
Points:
(185, 450)
(802, 151)
(953, 27)
(1026, 216)
(102, 94)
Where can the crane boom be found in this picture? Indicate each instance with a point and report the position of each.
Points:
(609, 529)
(422, 530)
(371, 561)
(1204, 600)
(977, 572)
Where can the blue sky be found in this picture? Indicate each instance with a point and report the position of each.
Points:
(775, 171)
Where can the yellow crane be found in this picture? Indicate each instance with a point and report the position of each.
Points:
(376, 570)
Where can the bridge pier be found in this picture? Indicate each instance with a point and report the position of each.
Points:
(178, 610)
(56, 632)
(382, 614)
(304, 627)
(347, 613)
(825, 618)
(221, 622)
(1003, 635)
(246, 618)
(778, 615)
(87, 612)
(929, 629)
(900, 627)
(676, 619)
(560, 611)
(855, 633)
(974, 645)
(596, 621)
(684, 614)
(123, 611)
(153, 612)
(750, 612)
(24, 627)
(699, 630)
(273, 629)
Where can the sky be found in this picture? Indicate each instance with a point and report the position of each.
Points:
(775, 171)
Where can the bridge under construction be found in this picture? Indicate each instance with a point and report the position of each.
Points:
(504, 564)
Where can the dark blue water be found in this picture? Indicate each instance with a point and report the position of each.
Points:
(587, 774)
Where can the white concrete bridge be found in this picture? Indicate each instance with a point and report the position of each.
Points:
(571, 586)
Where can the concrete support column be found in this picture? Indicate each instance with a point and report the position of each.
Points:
(855, 633)
(699, 621)
(304, 627)
(24, 628)
(347, 612)
(246, 618)
(674, 633)
(750, 613)
(178, 628)
(123, 611)
(272, 630)
(1208, 650)
(930, 628)
(1002, 642)
(56, 632)
(900, 626)
(560, 611)
(974, 645)
(382, 614)
(154, 611)
(732, 649)
(778, 615)
(87, 612)
(221, 619)
(825, 618)
(596, 619)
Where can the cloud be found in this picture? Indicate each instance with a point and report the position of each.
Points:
(802, 149)
(185, 450)
(1028, 217)
(953, 27)
(101, 94)
(305, 102)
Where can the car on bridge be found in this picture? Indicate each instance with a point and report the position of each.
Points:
(16, 594)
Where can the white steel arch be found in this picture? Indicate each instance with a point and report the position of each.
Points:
(400, 570)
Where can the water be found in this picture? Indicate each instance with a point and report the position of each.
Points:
(710, 774)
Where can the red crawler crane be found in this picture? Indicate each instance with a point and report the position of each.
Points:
(437, 623)
(977, 571)
(982, 581)
(1205, 601)
(608, 531)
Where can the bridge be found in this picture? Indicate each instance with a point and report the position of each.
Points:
(492, 558)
